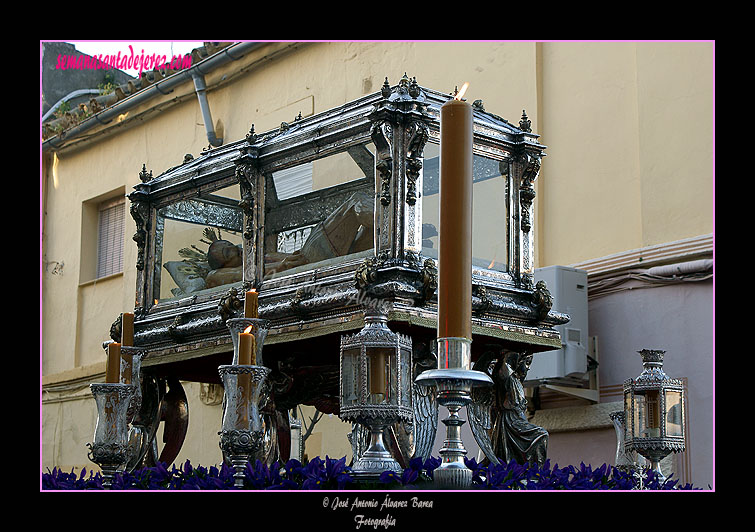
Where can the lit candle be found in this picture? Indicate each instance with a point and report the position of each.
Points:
(455, 231)
(113, 367)
(127, 339)
(247, 356)
(127, 328)
(377, 372)
(247, 348)
(251, 304)
(244, 380)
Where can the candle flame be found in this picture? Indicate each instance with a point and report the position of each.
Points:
(248, 330)
(460, 94)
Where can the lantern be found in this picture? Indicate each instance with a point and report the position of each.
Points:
(654, 411)
(375, 389)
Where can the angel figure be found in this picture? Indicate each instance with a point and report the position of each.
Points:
(498, 414)
(514, 437)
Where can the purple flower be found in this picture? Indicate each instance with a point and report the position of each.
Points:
(335, 474)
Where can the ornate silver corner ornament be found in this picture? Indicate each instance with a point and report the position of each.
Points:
(525, 124)
(414, 277)
(145, 176)
(230, 304)
(542, 300)
(402, 106)
(481, 301)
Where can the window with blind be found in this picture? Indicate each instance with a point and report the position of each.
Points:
(110, 230)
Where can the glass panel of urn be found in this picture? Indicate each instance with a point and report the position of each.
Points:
(198, 245)
(321, 212)
(489, 213)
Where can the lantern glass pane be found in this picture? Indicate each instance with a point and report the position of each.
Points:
(638, 416)
(406, 378)
(653, 415)
(350, 376)
(378, 374)
(392, 378)
(647, 414)
(674, 413)
(628, 415)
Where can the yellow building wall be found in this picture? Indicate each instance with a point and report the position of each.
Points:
(628, 127)
(629, 130)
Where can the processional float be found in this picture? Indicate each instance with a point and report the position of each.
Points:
(374, 261)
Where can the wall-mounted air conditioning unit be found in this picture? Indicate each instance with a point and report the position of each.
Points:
(568, 287)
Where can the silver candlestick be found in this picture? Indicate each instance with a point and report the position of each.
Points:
(110, 449)
(138, 438)
(241, 435)
(454, 382)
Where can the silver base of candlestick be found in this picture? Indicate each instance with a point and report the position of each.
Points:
(454, 386)
(239, 446)
(453, 472)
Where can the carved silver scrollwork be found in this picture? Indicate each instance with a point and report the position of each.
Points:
(531, 168)
(429, 278)
(381, 134)
(140, 213)
(247, 179)
(418, 133)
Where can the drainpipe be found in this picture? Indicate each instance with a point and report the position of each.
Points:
(201, 89)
